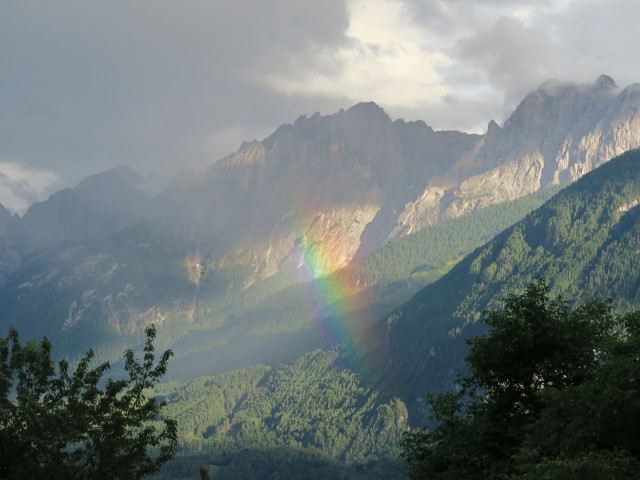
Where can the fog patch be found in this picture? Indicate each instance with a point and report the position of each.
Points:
(20, 186)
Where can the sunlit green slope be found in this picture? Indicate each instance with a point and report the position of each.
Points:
(585, 241)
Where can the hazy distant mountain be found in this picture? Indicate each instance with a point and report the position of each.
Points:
(9, 249)
(99, 205)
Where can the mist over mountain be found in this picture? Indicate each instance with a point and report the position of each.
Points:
(99, 205)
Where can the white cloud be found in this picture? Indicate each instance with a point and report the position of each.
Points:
(384, 61)
(20, 186)
(454, 63)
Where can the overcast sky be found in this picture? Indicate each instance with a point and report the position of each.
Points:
(164, 85)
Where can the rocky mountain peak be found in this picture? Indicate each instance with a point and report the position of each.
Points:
(606, 82)
(349, 181)
(367, 109)
(355, 178)
(559, 132)
(98, 205)
(106, 187)
(331, 175)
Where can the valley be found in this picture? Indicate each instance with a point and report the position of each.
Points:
(315, 285)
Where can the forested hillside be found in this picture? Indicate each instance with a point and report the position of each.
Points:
(585, 241)
(103, 289)
(256, 325)
(316, 409)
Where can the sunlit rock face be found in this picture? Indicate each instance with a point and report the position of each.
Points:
(341, 185)
(557, 134)
(333, 185)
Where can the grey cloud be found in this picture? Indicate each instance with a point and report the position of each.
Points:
(86, 85)
(451, 17)
(468, 112)
(511, 57)
(595, 37)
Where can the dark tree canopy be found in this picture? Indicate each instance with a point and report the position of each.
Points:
(552, 393)
(74, 425)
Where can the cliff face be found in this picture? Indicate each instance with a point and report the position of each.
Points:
(557, 134)
(331, 186)
(339, 186)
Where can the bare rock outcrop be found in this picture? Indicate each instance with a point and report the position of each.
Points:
(558, 133)
(331, 185)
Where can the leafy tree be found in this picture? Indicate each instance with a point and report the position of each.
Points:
(552, 392)
(58, 424)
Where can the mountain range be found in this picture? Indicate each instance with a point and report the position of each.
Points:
(316, 238)
(320, 193)
(584, 240)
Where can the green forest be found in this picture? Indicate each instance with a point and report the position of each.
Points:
(583, 240)
(314, 403)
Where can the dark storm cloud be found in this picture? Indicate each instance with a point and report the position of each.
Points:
(86, 85)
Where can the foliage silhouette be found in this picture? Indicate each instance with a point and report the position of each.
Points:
(58, 424)
(552, 392)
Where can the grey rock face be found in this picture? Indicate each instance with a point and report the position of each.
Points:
(330, 185)
(557, 134)
(328, 189)
(99, 205)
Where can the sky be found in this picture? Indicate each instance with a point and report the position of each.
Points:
(167, 85)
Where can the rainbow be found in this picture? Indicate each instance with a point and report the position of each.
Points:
(335, 312)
